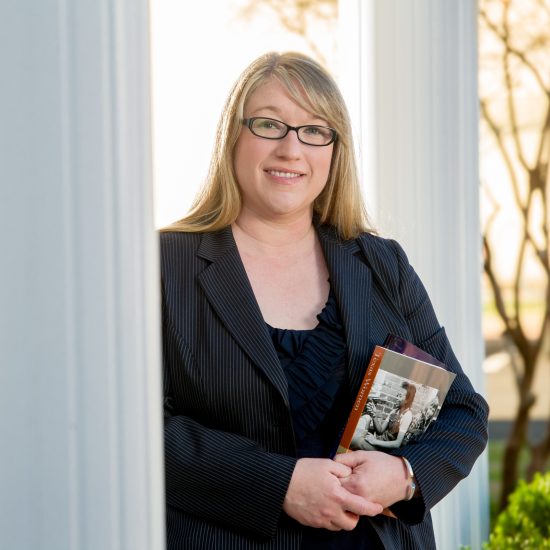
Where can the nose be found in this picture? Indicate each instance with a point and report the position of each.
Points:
(289, 146)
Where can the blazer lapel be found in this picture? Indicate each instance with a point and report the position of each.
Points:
(351, 281)
(228, 290)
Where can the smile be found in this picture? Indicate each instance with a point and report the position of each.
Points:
(283, 174)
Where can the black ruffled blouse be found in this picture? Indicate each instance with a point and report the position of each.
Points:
(314, 362)
(315, 365)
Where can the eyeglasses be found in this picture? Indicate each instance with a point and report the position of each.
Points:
(310, 134)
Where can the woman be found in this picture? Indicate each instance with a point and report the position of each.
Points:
(275, 293)
(391, 429)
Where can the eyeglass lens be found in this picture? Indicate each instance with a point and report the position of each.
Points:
(275, 129)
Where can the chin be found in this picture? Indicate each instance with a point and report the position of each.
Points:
(286, 211)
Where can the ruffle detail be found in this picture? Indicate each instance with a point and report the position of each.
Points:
(314, 362)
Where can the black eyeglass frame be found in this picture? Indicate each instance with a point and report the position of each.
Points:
(250, 121)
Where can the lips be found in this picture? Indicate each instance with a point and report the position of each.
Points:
(286, 174)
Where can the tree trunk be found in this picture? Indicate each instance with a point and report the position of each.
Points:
(539, 456)
(514, 445)
(518, 435)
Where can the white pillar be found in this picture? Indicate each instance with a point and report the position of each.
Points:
(410, 73)
(80, 414)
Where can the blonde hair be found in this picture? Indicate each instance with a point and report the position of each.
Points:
(339, 204)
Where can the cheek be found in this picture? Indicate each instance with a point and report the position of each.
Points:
(324, 164)
(328, 156)
(239, 156)
(242, 165)
(248, 153)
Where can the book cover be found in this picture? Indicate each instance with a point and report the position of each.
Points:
(401, 394)
(400, 345)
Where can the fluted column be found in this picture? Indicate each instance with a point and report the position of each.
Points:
(80, 420)
(409, 70)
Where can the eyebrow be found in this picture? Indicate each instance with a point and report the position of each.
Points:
(277, 112)
(268, 108)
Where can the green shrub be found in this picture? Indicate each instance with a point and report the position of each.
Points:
(525, 524)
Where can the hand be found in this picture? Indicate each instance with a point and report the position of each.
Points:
(369, 438)
(376, 476)
(316, 497)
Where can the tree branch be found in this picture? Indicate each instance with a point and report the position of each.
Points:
(497, 133)
(496, 288)
(514, 51)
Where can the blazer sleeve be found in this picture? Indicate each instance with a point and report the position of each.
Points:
(446, 452)
(218, 476)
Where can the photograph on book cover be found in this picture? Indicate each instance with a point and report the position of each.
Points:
(405, 398)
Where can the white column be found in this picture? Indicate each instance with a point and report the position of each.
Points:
(410, 73)
(80, 421)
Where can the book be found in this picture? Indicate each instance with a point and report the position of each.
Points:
(401, 394)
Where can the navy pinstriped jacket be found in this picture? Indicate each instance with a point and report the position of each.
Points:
(229, 450)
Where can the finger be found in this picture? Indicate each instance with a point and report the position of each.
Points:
(361, 506)
(351, 521)
(351, 459)
(347, 521)
(340, 470)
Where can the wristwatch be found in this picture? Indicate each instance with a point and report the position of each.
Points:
(411, 489)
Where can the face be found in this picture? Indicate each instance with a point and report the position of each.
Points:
(279, 179)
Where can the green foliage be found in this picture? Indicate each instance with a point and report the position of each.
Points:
(525, 524)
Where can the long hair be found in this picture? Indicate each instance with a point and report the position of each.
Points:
(339, 204)
(409, 396)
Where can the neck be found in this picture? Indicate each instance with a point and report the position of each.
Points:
(274, 234)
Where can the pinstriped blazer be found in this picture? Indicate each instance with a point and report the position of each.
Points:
(229, 447)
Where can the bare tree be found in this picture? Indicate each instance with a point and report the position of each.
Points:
(297, 16)
(515, 111)
(515, 57)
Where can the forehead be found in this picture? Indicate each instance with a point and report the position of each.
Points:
(274, 97)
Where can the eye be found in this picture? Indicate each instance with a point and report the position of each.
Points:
(267, 124)
(318, 133)
(314, 130)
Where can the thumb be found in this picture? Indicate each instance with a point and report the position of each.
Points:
(340, 470)
(351, 459)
